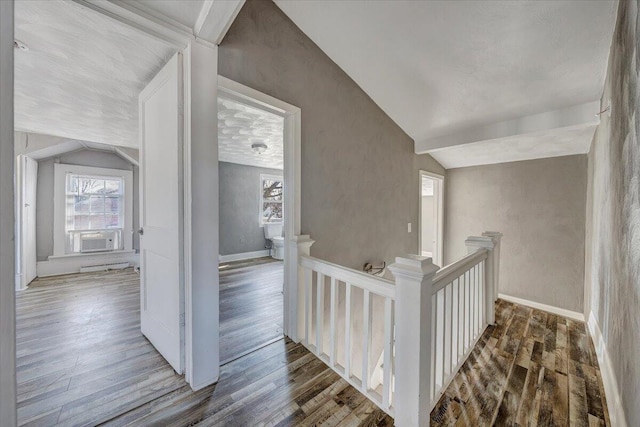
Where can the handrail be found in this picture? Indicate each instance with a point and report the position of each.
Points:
(452, 271)
(377, 285)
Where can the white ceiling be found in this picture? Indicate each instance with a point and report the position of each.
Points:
(441, 67)
(537, 145)
(82, 74)
(239, 126)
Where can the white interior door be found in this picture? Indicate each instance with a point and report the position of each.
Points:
(161, 218)
(29, 257)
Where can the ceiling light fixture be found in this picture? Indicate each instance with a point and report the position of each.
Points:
(20, 45)
(259, 147)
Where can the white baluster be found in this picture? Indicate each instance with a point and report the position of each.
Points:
(387, 363)
(347, 333)
(366, 339)
(319, 313)
(308, 278)
(333, 321)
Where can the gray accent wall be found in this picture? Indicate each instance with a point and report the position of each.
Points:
(360, 174)
(240, 229)
(539, 207)
(612, 281)
(45, 192)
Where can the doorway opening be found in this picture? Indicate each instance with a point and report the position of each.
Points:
(431, 216)
(252, 218)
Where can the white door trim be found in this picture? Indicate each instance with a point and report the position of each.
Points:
(292, 167)
(438, 255)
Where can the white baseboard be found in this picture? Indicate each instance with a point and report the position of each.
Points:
(611, 390)
(244, 255)
(544, 307)
(72, 264)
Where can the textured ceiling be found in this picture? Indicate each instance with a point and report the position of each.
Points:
(438, 67)
(239, 126)
(82, 74)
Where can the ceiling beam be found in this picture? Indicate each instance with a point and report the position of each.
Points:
(580, 114)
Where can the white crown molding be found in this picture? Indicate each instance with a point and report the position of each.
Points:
(161, 28)
(213, 22)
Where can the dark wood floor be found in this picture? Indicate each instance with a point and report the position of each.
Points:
(532, 369)
(251, 306)
(82, 361)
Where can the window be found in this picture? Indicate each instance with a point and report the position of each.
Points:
(93, 210)
(94, 203)
(271, 199)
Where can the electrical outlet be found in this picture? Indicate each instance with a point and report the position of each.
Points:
(408, 227)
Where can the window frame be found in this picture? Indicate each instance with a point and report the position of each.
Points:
(261, 201)
(60, 193)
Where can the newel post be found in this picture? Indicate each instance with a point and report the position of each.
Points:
(496, 237)
(294, 299)
(475, 243)
(413, 320)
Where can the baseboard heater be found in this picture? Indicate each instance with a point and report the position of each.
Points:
(104, 267)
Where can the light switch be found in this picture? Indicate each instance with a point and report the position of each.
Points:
(409, 227)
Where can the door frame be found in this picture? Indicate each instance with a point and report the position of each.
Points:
(438, 193)
(22, 179)
(292, 171)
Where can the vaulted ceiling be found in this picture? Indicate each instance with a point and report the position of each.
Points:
(444, 68)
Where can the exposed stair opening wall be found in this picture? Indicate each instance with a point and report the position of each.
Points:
(401, 341)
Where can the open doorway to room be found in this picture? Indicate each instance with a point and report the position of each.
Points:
(431, 216)
(252, 206)
(81, 358)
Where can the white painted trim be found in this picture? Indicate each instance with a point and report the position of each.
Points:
(201, 215)
(205, 10)
(244, 255)
(72, 264)
(544, 307)
(162, 28)
(438, 193)
(7, 249)
(59, 215)
(215, 14)
(292, 171)
(611, 389)
(220, 18)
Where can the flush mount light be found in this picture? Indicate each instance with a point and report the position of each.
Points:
(259, 147)
(20, 45)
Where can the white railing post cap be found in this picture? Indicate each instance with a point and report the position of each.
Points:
(480, 242)
(413, 266)
(494, 234)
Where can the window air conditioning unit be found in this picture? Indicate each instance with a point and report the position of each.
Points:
(98, 241)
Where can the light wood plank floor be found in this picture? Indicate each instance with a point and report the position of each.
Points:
(532, 369)
(81, 358)
(251, 306)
